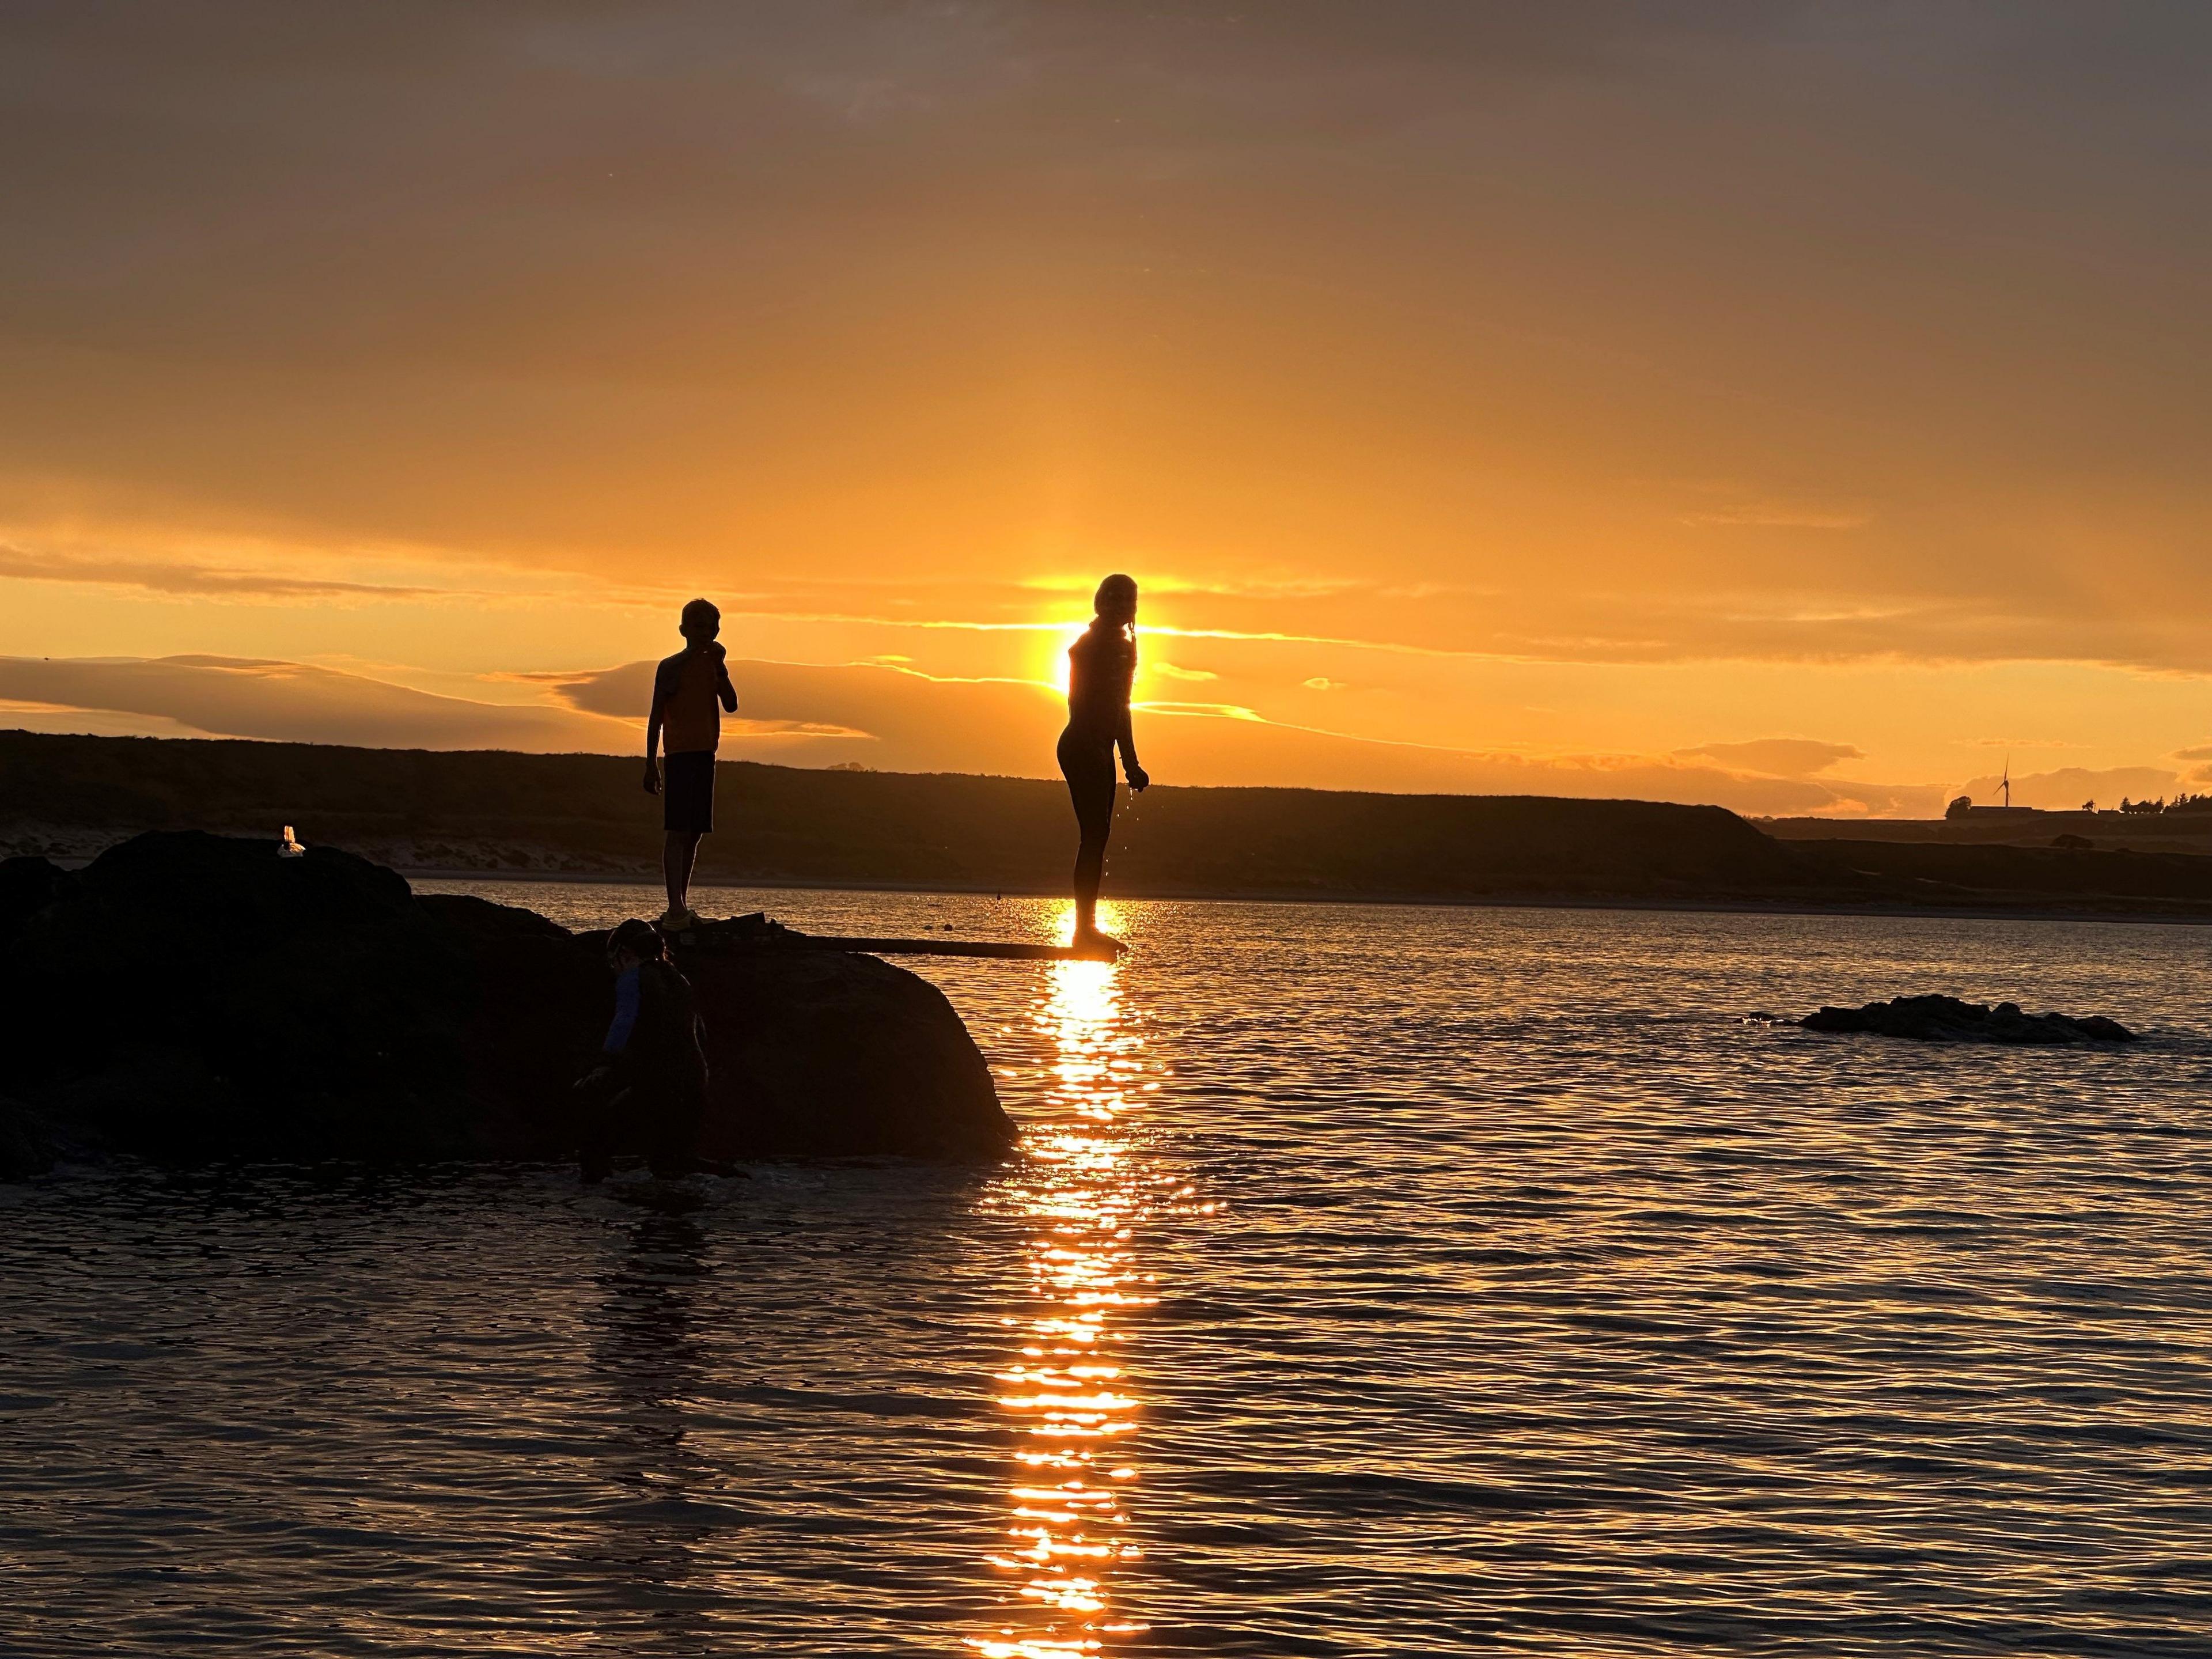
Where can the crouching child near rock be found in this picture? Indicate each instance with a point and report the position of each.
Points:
(651, 1079)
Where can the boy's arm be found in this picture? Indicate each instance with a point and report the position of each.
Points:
(652, 729)
(723, 688)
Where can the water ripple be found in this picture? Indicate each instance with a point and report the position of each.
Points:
(1373, 1280)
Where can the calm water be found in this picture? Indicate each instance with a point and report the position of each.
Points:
(1374, 1280)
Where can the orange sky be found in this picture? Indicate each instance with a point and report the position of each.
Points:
(1801, 407)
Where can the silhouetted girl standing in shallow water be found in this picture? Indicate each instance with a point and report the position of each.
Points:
(1102, 665)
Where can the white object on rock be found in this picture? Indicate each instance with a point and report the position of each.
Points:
(289, 849)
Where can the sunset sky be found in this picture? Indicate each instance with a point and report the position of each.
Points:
(1797, 407)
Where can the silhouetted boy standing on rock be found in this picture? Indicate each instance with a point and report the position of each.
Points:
(691, 690)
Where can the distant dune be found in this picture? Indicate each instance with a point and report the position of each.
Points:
(586, 815)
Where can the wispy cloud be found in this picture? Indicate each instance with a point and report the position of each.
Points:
(1243, 588)
(1776, 515)
(1225, 711)
(197, 580)
(254, 697)
(894, 721)
(1780, 757)
(1258, 636)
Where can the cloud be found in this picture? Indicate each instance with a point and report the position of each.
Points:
(203, 582)
(1781, 757)
(887, 718)
(1171, 672)
(1304, 586)
(287, 702)
(882, 715)
(16, 715)
(1447, 296)
(1879, 800)
(1775, 515)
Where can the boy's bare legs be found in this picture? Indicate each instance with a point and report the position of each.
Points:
(677, 860)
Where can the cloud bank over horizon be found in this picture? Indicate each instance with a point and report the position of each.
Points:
(1466, 384)
(874, 715)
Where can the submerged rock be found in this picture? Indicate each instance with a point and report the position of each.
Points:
(1947, 1020)
(190, 996)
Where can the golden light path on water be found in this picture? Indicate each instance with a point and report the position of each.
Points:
(1066, 1392)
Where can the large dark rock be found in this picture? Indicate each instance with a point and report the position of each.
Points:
(1947, 1020)
(821, 1052)
(192, 996)
(26, 887)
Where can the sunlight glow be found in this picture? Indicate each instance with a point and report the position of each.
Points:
(1061, 640)
(1084, 1196)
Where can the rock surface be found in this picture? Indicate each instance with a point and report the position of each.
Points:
(1947, 1020)
(27, 885)
(190, 996)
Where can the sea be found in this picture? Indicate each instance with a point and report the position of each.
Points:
(1370, 1280)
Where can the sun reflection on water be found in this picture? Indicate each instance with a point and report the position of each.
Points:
(1066, 1391)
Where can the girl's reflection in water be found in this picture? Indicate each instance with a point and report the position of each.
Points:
(1066, 1393)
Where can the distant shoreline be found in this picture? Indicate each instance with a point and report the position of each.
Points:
(1686, 907)
(1431, 902)
(484, 817)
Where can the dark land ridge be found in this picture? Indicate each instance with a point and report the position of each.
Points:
(191, 996)
(584, 815)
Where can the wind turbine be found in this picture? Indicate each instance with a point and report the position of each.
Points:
(2007, 783)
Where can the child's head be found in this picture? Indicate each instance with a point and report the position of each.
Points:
(632, 943)
(1115, 601)
(702, 621)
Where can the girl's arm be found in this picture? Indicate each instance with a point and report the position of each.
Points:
(1125, 736)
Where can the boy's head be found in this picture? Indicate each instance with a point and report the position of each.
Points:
(702, 621)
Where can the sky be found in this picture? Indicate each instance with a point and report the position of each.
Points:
(1800, 407)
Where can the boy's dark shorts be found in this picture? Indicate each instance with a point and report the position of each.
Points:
(687, 792)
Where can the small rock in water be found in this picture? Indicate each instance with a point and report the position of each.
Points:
(1947, 1020)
